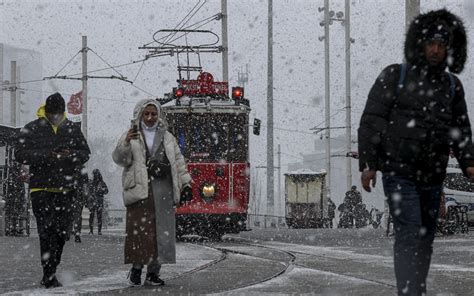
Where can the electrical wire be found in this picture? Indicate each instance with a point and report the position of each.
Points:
(206, 20)
(171, 35)
(193, 29)
(209, 19)
(69, 61)
(21, 82)
(103, 60)
(141, 89)
(68, 94)
(294, 103)
(139, 70)
(334, 114)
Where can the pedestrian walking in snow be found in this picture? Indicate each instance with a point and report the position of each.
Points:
(80, 199)
(55, 149)
(155, 179)
(97, 190)
(414, 115)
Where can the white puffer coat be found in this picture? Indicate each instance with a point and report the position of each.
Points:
(132, 156)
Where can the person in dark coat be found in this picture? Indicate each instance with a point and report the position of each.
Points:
(55, 149)
(98, 189)
(155, 179)
(80, 199)
(331, 212)
(415, 114)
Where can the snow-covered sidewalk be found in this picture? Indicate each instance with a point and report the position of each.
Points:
(92, 266)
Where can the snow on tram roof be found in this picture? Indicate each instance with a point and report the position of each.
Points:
(205, 103)
(306, 172)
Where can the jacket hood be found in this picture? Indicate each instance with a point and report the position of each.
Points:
(41, 112)
(424, 23)
(140, 106)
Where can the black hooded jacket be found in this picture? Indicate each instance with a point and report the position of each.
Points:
(37, 141)
(410, 131)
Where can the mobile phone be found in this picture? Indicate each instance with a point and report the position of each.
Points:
(134, 126)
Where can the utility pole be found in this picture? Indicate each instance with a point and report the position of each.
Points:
(225, 43)
(412, 9)
(84, 85)
(327, 90)
(347, 23)
(13, 93)
(279, 182)
(270, 172)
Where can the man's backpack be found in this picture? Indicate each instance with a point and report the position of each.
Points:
(403, 74)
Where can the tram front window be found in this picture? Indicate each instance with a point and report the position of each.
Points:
(211, 137)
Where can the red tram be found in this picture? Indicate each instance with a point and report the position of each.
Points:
(212, 130)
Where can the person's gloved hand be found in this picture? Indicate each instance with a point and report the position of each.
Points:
(186, 195)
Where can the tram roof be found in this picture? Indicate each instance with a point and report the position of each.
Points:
(205, 105)
(306, 172)
(8, 134)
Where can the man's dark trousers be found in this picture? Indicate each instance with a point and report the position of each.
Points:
(414, 209)
(53, 213)
(96, 209)
(78, 206)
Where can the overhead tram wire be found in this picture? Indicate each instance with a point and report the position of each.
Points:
(210, 19)
(295, 103)
(206, 20)
(80, 51)
(180, 25)
(185, 17)
(111, 67)
(22, 82)
(68, 94)
(138, 73)
(334, 114)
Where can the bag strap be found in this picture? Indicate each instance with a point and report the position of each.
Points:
(403, 74)
(401, 80)
(452, 85)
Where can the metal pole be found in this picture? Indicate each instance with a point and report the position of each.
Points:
(225, 43)
(348, 92)
(13, 93)
(84, 86)
(1, 82)
(412, 9)
(19, 102)
(279, 181)
(327, 95)
(270, 172)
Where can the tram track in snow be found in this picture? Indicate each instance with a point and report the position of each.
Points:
(293, 263)
(241, 247)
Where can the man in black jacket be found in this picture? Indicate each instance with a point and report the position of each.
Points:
(415, 115)
(55, 149)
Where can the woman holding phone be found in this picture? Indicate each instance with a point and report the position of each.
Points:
(155, 179)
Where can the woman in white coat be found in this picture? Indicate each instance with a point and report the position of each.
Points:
(155, 179)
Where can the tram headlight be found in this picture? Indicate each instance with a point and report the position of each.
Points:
(208, 190)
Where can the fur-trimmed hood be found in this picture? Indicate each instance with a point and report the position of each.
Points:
(416, 35)
(140, 106)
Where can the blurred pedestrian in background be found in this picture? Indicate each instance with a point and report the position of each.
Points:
(80, 200)
(97, 190)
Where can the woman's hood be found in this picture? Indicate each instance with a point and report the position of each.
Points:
(140, 106)
(423, 23)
